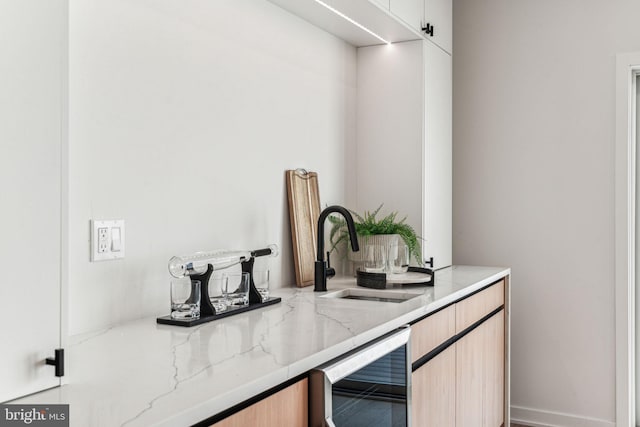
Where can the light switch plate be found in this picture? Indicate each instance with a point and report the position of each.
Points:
(104, 239)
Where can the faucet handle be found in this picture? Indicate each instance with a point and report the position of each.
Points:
(330, 271)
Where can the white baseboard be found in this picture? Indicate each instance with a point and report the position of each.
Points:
(538, 418)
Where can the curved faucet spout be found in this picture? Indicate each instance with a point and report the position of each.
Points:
(322, 270)
(350, 226)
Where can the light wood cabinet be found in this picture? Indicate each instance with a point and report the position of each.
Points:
(474, 308)
(463, 385)
(434, 391)
(432, 331)
(470, 378)
(288, 407)
(480, 375)
(493, 369)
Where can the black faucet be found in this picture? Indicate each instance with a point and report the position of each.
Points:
(323, 269)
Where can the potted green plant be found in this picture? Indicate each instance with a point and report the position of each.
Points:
(371, 230)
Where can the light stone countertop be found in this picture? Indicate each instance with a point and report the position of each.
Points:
(140, 373)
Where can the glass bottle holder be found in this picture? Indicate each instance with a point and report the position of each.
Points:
(208, 312)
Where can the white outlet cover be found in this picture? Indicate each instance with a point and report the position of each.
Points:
(108, 254)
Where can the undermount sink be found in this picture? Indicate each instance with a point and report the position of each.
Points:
(372, 295)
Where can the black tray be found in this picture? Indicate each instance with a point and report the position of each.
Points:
(230, 311)
(379, 280)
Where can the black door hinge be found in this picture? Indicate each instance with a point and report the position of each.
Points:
(57, 361)
(428, 29)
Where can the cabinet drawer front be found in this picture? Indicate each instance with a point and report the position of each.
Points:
(434, 391)
(432, 331)
(288, 407)
(474, 308)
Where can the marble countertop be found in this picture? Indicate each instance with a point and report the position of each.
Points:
(141, 374)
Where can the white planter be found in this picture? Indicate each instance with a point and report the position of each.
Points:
(377, 239)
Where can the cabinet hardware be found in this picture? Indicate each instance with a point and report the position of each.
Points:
(57, 361)
(428, 29)
(442, 347)
(429, 262)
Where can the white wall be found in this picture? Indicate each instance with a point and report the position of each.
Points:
(184, 116)
(534, 187)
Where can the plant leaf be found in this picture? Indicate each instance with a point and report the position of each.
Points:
(368, 225)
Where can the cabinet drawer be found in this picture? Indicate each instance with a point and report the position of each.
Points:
(432, 331)
(433, 391)
(288, 407)
(474, 308)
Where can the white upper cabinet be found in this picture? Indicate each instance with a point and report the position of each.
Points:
(371, 14)
(378, 21)
(438, 14)
(437, 162)
(410, 11)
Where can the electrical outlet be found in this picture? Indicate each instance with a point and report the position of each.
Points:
(107, 240)
(103, 240)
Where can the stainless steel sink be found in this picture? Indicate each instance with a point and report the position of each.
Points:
(372, 295)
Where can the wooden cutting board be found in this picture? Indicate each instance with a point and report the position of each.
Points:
(304, 211)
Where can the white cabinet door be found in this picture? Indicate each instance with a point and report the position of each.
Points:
(410, 11)
(439, 14)
(32, 42)
(437, 210)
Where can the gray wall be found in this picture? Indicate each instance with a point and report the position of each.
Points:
(534, 112)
